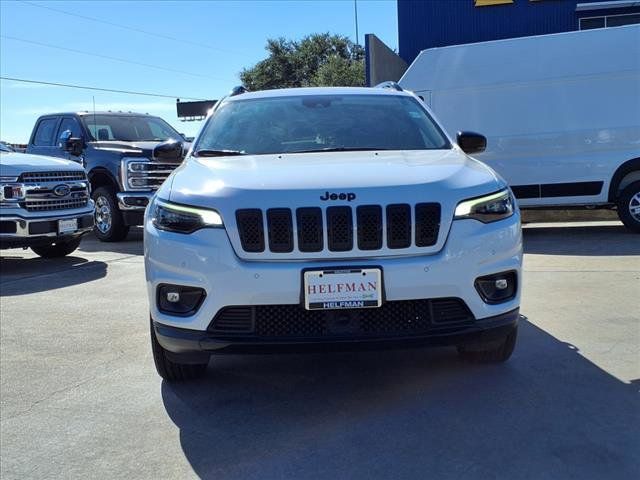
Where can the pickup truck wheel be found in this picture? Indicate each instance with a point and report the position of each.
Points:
(629, 207)
(109, 225)
(58, 249)
(493, 352)
(170, 370)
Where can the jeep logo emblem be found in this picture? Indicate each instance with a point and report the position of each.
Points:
(338, 196)
(61, 190)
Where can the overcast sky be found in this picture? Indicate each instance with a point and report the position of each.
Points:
(190, 49)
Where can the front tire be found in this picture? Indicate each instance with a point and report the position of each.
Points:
(629, 207)
(493, 352)
(58, 249)
(172, 371)
(109, 225)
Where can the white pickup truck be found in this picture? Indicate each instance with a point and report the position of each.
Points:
(561, 113)
(44, 204)
(319, 217)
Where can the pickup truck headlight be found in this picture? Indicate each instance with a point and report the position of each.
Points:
(487, 209)
(10, 192)
(181, 218)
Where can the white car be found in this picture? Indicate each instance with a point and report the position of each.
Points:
(316, 217)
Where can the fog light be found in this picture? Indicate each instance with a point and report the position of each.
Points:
(179, 300)
(173, 297)
(497, 288)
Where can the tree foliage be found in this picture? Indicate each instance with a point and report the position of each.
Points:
(316, 60)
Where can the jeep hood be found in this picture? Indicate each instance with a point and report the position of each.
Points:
(278, 178)
(14, 164)
(292, 181)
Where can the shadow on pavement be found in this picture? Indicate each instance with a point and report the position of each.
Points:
(132, 245)
(21, 276)
(597, 240)
(547, 413)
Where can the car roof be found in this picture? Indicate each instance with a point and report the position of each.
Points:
(289, 92)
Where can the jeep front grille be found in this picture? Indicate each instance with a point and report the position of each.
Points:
(405, 226)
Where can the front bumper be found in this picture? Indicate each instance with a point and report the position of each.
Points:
(194, 346)
(205, 259)
(134, 201)
(17, 231)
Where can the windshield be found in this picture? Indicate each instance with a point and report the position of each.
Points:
(321, 122)
(129, 128)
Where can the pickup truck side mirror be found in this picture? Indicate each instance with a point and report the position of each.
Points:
(71, 144)
(170, 151)
(471, 142)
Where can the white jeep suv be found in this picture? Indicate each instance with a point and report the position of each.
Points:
(330, 217)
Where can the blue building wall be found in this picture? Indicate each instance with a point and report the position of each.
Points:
(435, 23)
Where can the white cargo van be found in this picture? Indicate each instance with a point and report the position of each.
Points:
(561, 113)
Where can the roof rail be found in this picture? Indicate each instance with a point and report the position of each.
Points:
(390, 84)
(239, 90)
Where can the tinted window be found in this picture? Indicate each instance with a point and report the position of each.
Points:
(619, 20)
(70, 123)
(129, 128)
(301, 123)
(589, 23)
(44, 133)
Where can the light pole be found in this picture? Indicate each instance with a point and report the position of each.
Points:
(355, 9)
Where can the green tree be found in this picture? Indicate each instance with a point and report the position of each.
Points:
(316, 60)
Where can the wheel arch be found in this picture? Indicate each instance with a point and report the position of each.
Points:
(101, 177)
(626, 173)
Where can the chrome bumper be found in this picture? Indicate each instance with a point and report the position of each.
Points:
(24, 226)
(134, 200)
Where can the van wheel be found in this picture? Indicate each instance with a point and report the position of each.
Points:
(170, 370)
(629, 206)
(109, 225)
(493, 352)
(58, 249)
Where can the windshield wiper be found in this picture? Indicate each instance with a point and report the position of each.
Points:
(339, 149)
(216, 153)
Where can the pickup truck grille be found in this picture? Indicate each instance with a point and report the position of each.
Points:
(51, 204)
(42, 177)
(40, 191)
(148, 175)
(366, 229)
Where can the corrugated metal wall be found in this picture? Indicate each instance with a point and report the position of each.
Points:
(434, 23)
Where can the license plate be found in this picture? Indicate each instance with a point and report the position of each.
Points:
(66, 226)
(338, 289)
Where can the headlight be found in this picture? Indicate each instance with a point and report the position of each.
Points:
(10, 193)
(182, 219)
(487, 209)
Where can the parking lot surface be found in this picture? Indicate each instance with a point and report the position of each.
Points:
(80, 397)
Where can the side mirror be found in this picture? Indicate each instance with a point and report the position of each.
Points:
(170, 150)
(471, 142)
(71, 144)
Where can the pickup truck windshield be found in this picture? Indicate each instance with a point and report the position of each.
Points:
(308, 123)
(129, 128)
